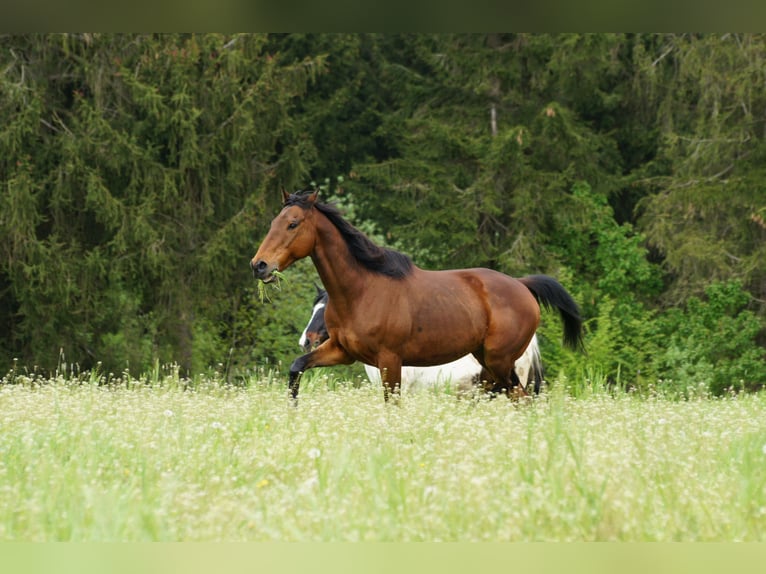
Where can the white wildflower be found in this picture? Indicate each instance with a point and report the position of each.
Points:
(309, 484)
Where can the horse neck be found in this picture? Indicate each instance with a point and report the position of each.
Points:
(342, 277)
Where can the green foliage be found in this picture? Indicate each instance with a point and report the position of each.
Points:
(608, 258)
(713, 342)
(132, 177)
(607, 271)
(706, 92)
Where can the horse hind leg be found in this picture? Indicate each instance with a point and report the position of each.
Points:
(504, 378)
(517, 390)
(509, 386)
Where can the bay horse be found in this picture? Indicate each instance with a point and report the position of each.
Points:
(465, 373)
(385, 311)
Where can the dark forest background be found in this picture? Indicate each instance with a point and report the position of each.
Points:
(140, 172)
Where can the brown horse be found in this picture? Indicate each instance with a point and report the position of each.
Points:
(386, 311)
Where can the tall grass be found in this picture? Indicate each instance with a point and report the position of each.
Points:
(168, 459)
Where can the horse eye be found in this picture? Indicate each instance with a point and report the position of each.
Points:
(293, 225)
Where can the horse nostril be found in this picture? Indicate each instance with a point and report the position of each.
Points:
(259, 268)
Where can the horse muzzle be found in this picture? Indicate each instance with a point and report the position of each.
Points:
(262, 270)
(313, 340)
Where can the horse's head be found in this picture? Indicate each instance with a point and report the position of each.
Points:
(315, 332)
(291, 236)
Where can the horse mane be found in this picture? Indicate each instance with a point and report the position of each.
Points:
(373, 257)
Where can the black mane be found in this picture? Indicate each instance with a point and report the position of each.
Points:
(373, 257)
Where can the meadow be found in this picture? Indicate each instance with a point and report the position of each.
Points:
(175, 460)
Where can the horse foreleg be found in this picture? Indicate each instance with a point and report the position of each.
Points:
(325, 355)
(390, 367)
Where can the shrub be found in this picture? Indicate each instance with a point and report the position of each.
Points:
(713, 341)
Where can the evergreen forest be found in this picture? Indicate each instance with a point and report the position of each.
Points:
(139, 173)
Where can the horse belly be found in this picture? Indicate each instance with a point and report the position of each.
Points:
(434, 341)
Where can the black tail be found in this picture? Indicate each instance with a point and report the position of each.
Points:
(550, 293)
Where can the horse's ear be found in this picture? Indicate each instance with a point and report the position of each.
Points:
(312, 197)
(318, 288)
(285, 195)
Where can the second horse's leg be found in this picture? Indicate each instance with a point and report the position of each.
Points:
(325, 355)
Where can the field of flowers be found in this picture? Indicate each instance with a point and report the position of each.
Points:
(138, 461)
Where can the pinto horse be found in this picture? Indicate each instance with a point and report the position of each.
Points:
(465, 373)
(385, 311)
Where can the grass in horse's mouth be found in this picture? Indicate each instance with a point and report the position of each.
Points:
(275, 277)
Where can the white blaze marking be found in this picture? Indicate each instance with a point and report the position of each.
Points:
(302, 340)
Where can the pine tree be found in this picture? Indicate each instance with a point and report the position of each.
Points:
(134, 166)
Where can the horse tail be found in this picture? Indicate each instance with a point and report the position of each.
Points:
(550, 293)
(536, 374)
